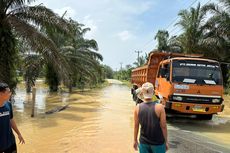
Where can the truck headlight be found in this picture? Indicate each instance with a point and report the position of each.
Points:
(215, 100)
(178, 98)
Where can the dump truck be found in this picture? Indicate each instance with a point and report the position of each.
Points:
(186, 84)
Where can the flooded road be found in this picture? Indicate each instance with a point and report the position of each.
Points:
(101, 121)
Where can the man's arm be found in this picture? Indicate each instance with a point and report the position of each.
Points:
(136, 127)
(15, 128)
(163, 125)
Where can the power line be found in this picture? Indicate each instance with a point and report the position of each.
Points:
(178, 16)
(172, 22)
(168, 25)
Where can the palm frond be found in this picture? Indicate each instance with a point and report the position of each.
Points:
(41, 16)
(40, 43)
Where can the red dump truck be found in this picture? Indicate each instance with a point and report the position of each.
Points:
(187, 84)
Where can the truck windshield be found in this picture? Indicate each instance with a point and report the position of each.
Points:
(196, 72)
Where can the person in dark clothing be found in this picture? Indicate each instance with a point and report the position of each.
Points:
(152, 118)
(7, 123)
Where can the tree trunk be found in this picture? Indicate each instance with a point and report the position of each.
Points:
(28, 86)
(8, 56)
(52, 78)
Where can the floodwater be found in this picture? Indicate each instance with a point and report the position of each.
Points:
(97, 121)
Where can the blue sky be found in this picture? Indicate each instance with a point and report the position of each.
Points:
(123, 26)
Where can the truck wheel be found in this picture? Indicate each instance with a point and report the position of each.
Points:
(205, 117)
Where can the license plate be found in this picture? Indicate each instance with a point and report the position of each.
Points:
(198, 109)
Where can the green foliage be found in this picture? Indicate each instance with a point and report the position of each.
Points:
(162, 37)
(107, 71)
(191, 22)
(9, 56)
(124, 74)
(24, 22)
(141, 61)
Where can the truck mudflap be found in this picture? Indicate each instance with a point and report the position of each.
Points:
(192, 108)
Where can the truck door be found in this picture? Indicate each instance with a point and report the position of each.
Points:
(162, 83)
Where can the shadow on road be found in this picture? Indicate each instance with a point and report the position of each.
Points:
(216, 125)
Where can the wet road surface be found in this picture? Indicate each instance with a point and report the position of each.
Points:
(101, 121)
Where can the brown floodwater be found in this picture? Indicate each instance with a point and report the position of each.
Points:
(96, 121)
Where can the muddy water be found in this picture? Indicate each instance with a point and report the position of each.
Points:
(95, 122)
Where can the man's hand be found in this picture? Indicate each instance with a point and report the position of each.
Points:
(167, 146)
(21, 140)
(135, 145)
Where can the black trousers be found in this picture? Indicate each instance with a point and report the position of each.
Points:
(11, 149)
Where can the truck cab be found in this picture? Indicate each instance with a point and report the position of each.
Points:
(186, 84)
(190, 85)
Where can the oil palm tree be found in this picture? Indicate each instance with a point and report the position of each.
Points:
(162, 37)
(218, 29)
(218, 34)
(19, 20)
(192, 22)
(79, 53)
(166, 43)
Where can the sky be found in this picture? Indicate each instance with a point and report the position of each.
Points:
(122, 27)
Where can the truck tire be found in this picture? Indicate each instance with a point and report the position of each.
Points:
(205, 117)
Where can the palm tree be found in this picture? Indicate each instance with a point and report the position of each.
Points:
(218, 29)
(218, 34)
(79, 53)
(192, 22)
(141, 61)
(18, 20)
(162, 37)
(168, 44)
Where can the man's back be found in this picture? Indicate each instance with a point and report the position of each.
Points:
(151, 132)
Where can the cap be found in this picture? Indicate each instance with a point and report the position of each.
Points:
(147, 90)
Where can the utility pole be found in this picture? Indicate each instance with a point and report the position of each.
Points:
(121, 66)
(138, 58)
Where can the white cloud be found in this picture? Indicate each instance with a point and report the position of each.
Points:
(89, 22)
(125, 35)
(111, 22)
(70, 12)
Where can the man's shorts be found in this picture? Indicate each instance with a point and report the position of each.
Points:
(146, 148)
(11, 149)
